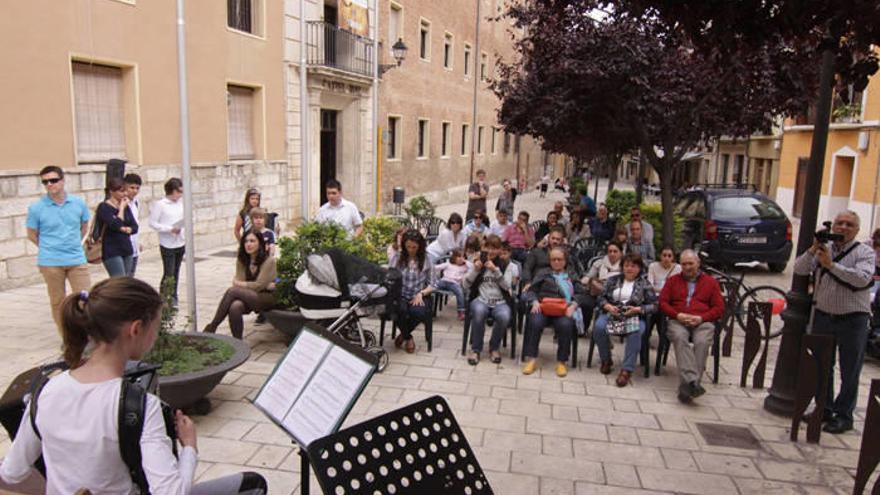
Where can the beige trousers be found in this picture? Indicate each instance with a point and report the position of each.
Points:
(691, 362)
(56, 276)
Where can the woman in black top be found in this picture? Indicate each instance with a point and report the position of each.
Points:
(116, 223)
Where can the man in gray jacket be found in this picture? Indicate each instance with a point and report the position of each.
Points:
(843, 274)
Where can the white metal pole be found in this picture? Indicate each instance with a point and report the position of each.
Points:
(375, 128)
(303, 112)
(184, 155)
(478, 60)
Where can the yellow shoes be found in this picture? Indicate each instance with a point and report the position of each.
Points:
(561, 370)
(530, 367)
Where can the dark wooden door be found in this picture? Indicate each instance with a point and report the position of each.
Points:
(328, 149)
(800, 186)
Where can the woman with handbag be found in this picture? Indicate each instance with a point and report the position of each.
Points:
(488, 284)
(625, 303)
(552, 298)
(117, 224)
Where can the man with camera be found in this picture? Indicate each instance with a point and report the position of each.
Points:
(843, 272)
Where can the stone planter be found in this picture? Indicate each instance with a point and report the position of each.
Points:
(286, 321)
(189, 389)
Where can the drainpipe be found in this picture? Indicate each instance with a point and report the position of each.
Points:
(184, 156)
(377, 145)
(303, 113)
(478, 57)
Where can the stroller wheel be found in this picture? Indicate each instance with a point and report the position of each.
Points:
(369, 339)
(381, 354)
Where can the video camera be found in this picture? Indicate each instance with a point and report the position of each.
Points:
(825, 235)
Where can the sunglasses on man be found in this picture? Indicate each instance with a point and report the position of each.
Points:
(53, 180)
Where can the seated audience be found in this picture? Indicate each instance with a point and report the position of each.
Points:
(627, 301)
(520, 236)
(602, 227)
(552, 299)
(692, 301)
(577, 229)
(479, 224)
(488, 286)
(419, 280)
(252, 288)
(638, 243)
(501, 223)
(451, 237)
(453, 273)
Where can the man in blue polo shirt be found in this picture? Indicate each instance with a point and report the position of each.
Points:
(56, 223)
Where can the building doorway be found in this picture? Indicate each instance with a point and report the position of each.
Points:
(844, 168)
(328, 149)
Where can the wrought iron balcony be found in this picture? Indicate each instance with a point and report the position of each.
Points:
(329, 46)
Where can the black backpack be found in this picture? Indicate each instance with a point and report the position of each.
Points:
(138, 379)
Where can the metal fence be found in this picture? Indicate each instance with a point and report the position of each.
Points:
(329, 46)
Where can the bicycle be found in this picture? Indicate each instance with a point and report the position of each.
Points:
(735, 290)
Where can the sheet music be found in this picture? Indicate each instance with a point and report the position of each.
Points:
(298, 366)
(320, 407)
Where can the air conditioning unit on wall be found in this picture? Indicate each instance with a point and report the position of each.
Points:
(863, 141)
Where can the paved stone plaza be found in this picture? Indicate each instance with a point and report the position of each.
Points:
(532, 435)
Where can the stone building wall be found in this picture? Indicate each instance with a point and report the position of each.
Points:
(218, 194)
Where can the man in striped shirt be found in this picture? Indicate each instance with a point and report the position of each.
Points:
(842, 277)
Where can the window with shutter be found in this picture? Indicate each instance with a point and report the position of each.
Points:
(240, 103)
(99, 114)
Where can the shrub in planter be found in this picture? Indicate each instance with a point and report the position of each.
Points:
(419, 207)
(178, 353)
(619, 203)
(378, 234)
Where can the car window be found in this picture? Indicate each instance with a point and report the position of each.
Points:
(746, 208)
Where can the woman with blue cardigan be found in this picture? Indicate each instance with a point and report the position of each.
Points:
(625, 296)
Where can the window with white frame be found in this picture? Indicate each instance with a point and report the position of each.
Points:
(464, 139)
(240, 122)
(243, 15)
(446, 136)
(447, 51)
(395, 23)
(424, 139)
(425, 40)
(99, 112)
(467, 59)
(393, 143)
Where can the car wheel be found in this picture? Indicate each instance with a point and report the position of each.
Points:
(776, 267)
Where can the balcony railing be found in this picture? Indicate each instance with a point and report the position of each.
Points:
(329, 46)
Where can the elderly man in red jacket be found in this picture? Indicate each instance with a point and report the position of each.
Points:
(692, 301)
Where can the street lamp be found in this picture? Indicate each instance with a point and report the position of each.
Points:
(398, 50)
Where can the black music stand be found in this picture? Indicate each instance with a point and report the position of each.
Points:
(418, 449)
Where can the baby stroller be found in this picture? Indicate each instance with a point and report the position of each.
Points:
(337, 289)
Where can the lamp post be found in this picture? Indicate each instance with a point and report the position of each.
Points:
(398, 50)
(797, 309)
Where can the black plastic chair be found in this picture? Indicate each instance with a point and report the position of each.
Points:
(644, 352)
(432, 227)
(428, 323)
(574, 338)
(511, 326)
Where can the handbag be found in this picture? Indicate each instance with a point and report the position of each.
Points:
(553, 306)
(94, 247)
(623, 326)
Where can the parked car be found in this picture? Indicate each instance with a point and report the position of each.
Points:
(735, 224)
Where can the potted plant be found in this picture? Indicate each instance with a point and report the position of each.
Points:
(192, 363)
(847, 113)
(314, 237)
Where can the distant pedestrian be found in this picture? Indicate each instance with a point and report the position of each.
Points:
(252, 199)
(117, 224)
(133, 184)
(166, 218)
(506, 200)
(545, 183)
(340, 210)
(56, 224)
(477, 194)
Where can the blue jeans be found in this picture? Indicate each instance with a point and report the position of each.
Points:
(565, 331)
(134, 265)
(479, 312)
(633, 342)
(850, 334)
(118, 266)
(456, 289)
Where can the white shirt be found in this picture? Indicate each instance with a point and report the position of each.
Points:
(163, 216)
(346, 214)
(79, 426)
(135, 207)
(624, 292)
(498, 229)
(446, 242)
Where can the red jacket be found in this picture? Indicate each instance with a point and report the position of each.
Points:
(706, 302)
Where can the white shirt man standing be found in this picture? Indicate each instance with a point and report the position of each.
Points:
(339, 210)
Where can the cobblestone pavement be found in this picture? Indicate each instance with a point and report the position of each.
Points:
(532, 434)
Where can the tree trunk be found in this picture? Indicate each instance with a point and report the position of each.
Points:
(664, 171)
(639, 182)
(611, 166)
